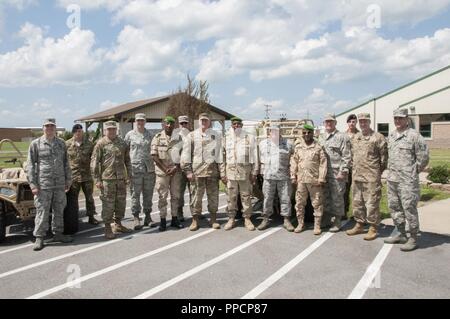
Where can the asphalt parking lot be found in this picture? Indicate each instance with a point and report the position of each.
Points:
(223, 264)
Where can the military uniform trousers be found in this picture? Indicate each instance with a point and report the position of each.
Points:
(244, 188)
(284, 189)
(142, 183)
(88, 190)
(301, 199)
(334, 197)
(402, 203)
(366, 202)
(164, 185)
(200, 185)
(49, 200)
(114, 199)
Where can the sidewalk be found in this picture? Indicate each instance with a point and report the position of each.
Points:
(433, 218)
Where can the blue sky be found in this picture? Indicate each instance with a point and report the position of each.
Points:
(298, 56)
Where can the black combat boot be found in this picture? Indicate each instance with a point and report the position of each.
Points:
(176, 223)
(162, 225)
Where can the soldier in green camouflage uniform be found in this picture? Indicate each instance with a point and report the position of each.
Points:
(79, 150)
(111, 169)
(49, 175)
(202, 162)
(168, 172)
(139, 141)
(408, 156)
(338, 150)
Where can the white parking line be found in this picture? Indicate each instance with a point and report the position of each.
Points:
(117, 266)
(86, 230)
(371, 272)
(255, 292)
(205, 265)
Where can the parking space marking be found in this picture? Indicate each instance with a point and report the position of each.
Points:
(205, 265)
(117, 266)
(371, 272)
(255, 292)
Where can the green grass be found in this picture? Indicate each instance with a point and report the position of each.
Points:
(8, 151)
(439, 157)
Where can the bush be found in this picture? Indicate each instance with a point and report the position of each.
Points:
(439, 174)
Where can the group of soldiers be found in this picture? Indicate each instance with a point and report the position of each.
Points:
(174, 159)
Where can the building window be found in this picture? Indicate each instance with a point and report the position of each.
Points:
(383, 128)
(425, 130)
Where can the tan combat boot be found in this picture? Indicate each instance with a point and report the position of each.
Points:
(194, 225)
(214, 223)
(264, 224)
(108, 232)
(317, 224)
(248, 224)
(119, 228)
(230, 224)
(372, 233)
(356, 230)
(288, 225)
(301, 225)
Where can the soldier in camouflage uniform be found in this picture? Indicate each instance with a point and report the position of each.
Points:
(143, 182)
(241, 169)
(79, 150)
(168, 172)
(111, 169)
(274, 156)
(338, 149)
(183, 132)
(352, 121)
(408, 156)
(49, 175)
(202, 162)
(369, 162)
(309, 173)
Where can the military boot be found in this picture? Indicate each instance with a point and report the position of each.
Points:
(301, 225)
(317, 224)
(248, 224)
(175, 223)
(163, 225)
(230, 224)
(137, 223)
(108, 232)
(213, 221)
(92, 220)
(148, 221)
(287, 224)
(372, 233)
(59, 237)
(336, 224)
(180, 215)
(194, 225)
(356, 230)
(397, 239)
(264, 224)
(411, 244)
(119, 228)
(38, 244)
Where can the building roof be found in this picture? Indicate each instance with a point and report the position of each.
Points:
(395, 90)
(133, 106)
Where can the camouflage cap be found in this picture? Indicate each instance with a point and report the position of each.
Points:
(330, 117)
(50, 122)
(140, 116)
(204, 116)
(183, 119)
(236, 119)
(110, 124)
(364, 116)
(401, 113)
(169, 119)
(308, 127)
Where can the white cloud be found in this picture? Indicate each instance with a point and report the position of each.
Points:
(19, 4)
(45, 61)
(93, 4)
(241, 91)
(138, 93)
(107, 105)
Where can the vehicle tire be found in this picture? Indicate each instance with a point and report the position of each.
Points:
(2, 221)
(71, 216)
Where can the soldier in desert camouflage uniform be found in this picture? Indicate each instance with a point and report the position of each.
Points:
(369, 162)
(408, 156)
